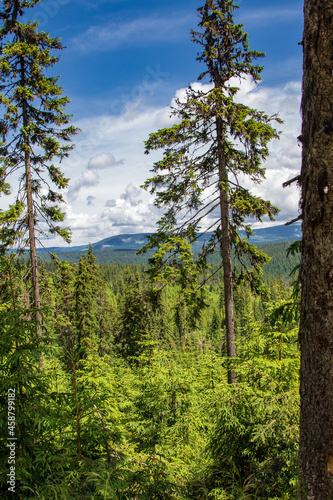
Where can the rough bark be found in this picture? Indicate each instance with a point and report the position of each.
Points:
(316, 328)
(226, 253)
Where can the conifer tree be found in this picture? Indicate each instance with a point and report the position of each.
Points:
(94, 313)
(316, 273)
(65, 312)
(139, 317)
(35, 130)
(86, 288)
(20, 353)
(214, 144)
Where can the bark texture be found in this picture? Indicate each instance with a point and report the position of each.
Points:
(316, 328)
(226, 252)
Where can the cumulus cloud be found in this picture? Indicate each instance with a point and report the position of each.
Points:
(111, 203)
(120, 205)
(126, 214)
(88, 179)
(130, 211)
(131, 195)
(102, 161)
(90, 176)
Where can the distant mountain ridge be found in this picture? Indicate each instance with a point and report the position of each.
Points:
(264, 235)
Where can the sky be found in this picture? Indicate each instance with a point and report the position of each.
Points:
(124, 63)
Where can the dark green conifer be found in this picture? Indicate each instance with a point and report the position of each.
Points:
(86, 288)
(94, 311)
(141, 317)
(215, 142)
(65, 314)
(35, 130)
(21, 350)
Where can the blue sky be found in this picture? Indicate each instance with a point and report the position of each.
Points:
(123, 65)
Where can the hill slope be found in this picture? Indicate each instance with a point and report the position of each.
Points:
(107, 251)
(136, 241)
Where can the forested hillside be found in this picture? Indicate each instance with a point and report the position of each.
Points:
(279, 266)
(261, 236)
(133, 399)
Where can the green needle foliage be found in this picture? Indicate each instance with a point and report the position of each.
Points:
(35, 131)
(93, 309)
(151, 414)
(126, 395)
(34, 123)
(29, 422)
(86, 288)
(214, 143)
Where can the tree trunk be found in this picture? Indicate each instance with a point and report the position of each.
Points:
(30, 210)
(78, 416)
(32, 244)
(316, 327)
(226, 252)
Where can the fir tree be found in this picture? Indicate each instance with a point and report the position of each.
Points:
(20, 376)
(139, 307)
(86, 287)
(65, 313)
(216, 141)
(35, 128)
(95, 314)
(316, 274)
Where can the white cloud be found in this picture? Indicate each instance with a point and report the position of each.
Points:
(90, 200)
(126, 214)
(90, 177)
(120, 206)
(102, 161)
(144, 30)
(111, 203)
(131, 195)
(271, 15)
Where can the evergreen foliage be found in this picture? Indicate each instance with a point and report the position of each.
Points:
(35, 131)
(214, 142)
(279, 265)
(149, 415)
(20, 353)
(86, 288)
(33, 124)
(121, 392)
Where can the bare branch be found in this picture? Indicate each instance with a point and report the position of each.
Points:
(294, 220)
(294, 179)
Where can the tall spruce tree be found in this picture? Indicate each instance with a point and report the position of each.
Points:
(86, 288)
(215, 143)
(21, 350)
(35, 130)
(316, 322)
